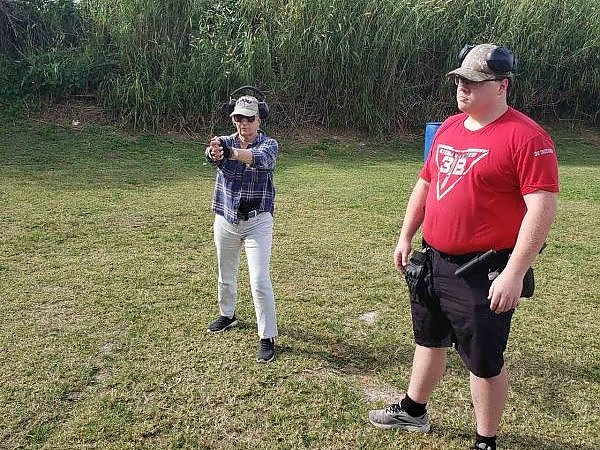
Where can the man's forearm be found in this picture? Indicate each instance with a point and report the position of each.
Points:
(541, 210)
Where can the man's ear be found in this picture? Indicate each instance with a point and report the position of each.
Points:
(503, 89)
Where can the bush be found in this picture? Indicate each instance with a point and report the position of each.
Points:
(376, 66)
(58, 74)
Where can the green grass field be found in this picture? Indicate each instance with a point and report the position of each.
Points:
(107, 283)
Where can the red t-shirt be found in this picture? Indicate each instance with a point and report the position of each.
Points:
(478, 180)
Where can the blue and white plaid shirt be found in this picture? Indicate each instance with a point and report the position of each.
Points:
(249, 184)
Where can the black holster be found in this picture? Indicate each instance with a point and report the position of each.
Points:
(528, 284)
(419, 276)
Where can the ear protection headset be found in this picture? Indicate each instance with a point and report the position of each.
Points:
(263, 108)
(501, 60)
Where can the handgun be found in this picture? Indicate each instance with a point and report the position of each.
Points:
(472, 263)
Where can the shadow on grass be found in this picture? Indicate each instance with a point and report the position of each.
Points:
(61, 157)
(558, 370)
(512, 440)
(552, 382)
(345, 355)
(577, 148)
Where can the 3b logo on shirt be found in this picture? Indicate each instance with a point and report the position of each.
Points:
(453, 165)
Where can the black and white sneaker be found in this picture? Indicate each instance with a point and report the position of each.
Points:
(266, 350)
(481, 446)
(395, 417)
(222, 324)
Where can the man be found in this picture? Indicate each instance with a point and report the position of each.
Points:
(489, 183)
(243, 204)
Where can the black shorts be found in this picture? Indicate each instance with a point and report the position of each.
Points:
(461, 316)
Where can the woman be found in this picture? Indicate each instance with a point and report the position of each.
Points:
(243, 204)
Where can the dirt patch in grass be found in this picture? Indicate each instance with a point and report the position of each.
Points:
(378, 392)
(77, 113)
(591, 135)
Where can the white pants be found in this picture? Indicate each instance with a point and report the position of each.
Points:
(256, 234)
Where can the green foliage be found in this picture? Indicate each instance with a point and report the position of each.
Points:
(376, 66)
(60, 73)
(38, 25)
(560, 46)
(9, 72)
(42, 53)
(11, 94)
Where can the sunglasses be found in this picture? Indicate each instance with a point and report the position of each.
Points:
(239, 118)
(466, 82)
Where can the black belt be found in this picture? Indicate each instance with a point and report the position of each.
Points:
(248, 215)
(465, 257)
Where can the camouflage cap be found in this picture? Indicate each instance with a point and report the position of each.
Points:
(474, 66)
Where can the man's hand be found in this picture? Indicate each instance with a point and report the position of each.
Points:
(505, 292)
(401, 255)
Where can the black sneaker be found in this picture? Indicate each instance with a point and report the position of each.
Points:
(221, 324)
(481, 446)
(266, 350)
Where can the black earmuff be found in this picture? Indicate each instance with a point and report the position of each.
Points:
(263, 108)
(501, 60)
(463, 52)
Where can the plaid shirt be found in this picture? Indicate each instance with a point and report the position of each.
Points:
(237, 182)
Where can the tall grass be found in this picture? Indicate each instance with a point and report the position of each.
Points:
(377, 66)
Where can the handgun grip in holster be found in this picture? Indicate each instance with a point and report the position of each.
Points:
(419, 277)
